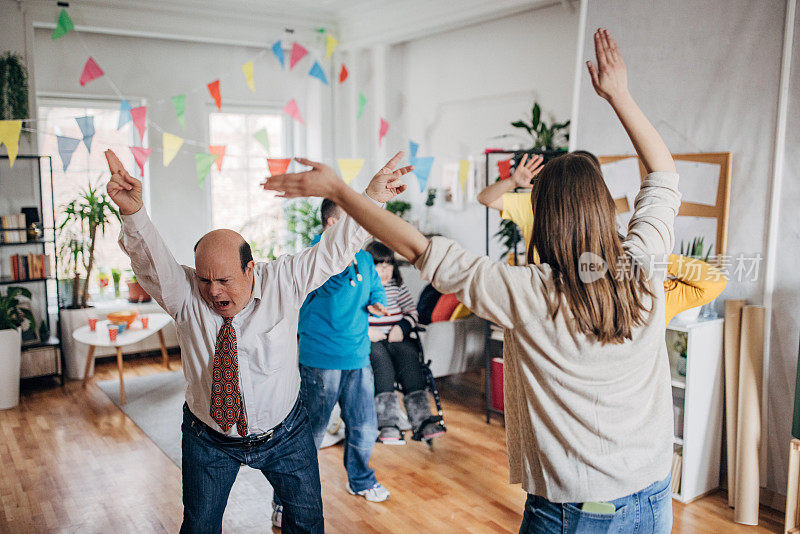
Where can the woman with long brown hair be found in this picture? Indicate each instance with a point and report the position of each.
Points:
(587, 385)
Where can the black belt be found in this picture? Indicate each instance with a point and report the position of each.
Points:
(254, 439)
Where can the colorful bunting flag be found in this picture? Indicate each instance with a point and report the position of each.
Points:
(179, 102)
(86, 124)
(317, 72)
(383, 129)
(278, 165)
(171, 144)
(247, 69)
(343, 74)
(213, 88)
(91, 71)
(9, 136)
(66, 146)
(124, 113)
(463, 174)
(262, 137)
(277, 50)
(362, 101)
(140, 155)
(350, 168)
(412, 149)
(64, 25)
(219, 151)
(298, 53)
(422, 169)
(203, 164)
(330, 45)
(139, 117)
(504, 168)
(293, 111)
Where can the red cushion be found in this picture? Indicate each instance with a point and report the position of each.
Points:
(444, 308)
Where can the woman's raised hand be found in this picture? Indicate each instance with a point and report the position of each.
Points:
(609, 76)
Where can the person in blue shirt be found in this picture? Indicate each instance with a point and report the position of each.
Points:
(333, 350)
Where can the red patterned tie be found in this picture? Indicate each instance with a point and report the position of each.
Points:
(226, 399)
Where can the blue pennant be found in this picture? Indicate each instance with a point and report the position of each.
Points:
(422, 169)
(412, 149)
(124, 113)
(277, 49)
(86, 124)
(66, 146)
(317, 72)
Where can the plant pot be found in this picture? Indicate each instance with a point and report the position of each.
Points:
(136, 293)
(65, 291)
(688, 316)
(10, 361)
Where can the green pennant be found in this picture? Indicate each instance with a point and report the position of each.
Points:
(179, 102)
(362, 101)
(64, 25)
(203, 162)
(262, 137)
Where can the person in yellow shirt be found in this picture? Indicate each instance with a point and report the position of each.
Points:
(689, 283)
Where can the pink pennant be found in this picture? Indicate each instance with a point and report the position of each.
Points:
(298, 53)
(140, 155)
(278, 165)
(139, 116)
(219, 151)
(293, 111)
(213, 88)
(343, 74)
(383, 130)
(91, 71)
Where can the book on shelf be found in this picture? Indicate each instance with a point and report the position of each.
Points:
(677, 468)
(29, 266)
(13, 228)
(495, 332)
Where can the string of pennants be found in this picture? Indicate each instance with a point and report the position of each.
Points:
(10, 130)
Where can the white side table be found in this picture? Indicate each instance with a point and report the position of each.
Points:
(132, 334)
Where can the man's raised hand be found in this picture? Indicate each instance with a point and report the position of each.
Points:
(319, 181)
(386, 184)
(124, 189)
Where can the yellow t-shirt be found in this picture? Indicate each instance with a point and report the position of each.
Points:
(517, 209)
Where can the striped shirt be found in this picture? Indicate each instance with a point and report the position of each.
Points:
(401, 306)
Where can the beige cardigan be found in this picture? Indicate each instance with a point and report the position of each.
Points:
(584, 421)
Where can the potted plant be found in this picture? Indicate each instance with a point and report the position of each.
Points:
(135, 292)
(13, 87)
(398, 207)
(71, 249)
(14, 315)
(303, 222)
(693, 249)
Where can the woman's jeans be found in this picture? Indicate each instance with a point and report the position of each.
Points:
(648, 511)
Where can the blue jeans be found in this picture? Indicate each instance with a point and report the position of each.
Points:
(354, 390)
(648, 511)
(288, 460)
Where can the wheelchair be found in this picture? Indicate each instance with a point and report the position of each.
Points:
(414, 335)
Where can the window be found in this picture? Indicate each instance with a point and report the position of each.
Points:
(238, 201)
(57, 117)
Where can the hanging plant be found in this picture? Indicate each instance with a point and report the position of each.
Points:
(13, 87)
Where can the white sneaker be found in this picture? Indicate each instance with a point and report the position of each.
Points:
(277, 515)
(376, 493)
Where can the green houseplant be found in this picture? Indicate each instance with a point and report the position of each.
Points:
(15, 313)
(302, 221)
(398, 207)
(13, 87)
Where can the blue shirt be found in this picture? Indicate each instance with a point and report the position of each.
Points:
(334, 320)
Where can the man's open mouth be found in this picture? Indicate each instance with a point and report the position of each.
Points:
(221, 304)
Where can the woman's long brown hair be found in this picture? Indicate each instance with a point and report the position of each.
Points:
(573, 213)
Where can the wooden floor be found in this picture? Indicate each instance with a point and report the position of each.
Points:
(71, 461)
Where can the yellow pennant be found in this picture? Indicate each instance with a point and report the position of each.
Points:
(9, 134)
(350, 168)
(172, 143)
(331, 44)
(247, 68)
(463, 174)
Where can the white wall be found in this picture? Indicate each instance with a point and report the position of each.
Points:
(13, 39)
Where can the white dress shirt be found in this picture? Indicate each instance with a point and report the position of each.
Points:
(266, 329)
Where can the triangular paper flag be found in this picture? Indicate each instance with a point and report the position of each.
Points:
(139, 117)
(277, 50)
(140, 155)
(91, 71)
(247, 68)
(463, 174)
(343, 74)
(298, 53)
(179, 102)
(412, 149)
(171, 144)
(219, 151)
(213, 88)
(86, 124)
(203, 164)
(278, 165)
(124, 113)
(422, 168)
(64, 25)
(382, 131)
(350, 168)
(504, 168)
(66, 146)
(317, 72)
(330, 45)
(362, 101)
(262, 137)
(9, 136)
(293, 111)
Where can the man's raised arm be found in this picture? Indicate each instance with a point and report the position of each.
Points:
(153, 264)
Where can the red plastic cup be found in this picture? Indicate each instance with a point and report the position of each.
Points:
(112, 332)
(144, 319)
(92, 323)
